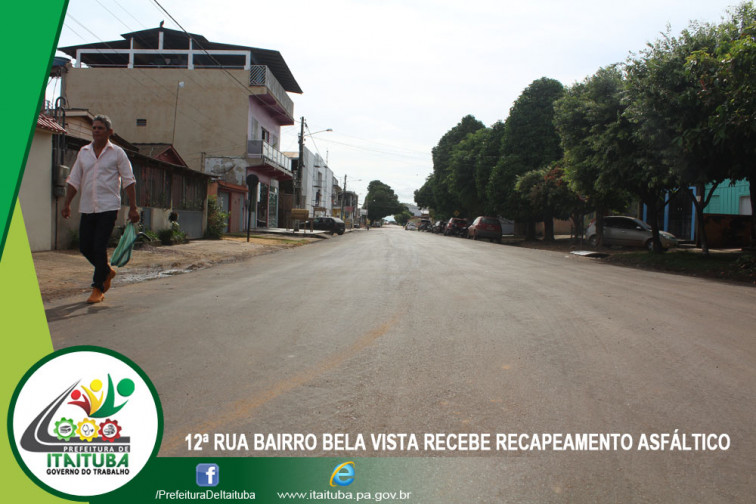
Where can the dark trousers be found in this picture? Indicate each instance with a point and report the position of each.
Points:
(94, 233)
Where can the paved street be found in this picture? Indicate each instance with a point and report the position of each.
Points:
(390, 331)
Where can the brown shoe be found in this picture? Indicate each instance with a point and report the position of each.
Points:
(106, 283)
(96, 297)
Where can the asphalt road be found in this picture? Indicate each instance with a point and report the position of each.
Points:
(390, 331)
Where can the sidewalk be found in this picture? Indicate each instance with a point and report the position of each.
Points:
(67, 273)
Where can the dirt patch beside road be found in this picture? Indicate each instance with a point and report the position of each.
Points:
(67, 272)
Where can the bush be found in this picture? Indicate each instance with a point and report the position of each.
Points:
(217, 220)
(152, 235)
(172, 235)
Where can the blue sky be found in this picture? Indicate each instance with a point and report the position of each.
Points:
(391, 77)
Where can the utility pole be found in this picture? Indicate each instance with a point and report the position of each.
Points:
(343, 197)
(300, 167)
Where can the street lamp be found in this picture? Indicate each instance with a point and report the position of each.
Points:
(343, 198)
(321, 131)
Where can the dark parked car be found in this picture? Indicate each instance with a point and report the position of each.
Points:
(425, 225)
(439, 226)
(332, 224)
(456, 227)
(485, 227)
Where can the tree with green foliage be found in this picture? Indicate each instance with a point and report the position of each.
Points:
(675, 118)
(381, 201)
(490, 153)
(463, 166)
(424, 196)
(582, 117)
(544, 195)
(217, 219)
(529, 142)
(403, 217)
(725, 74)
(445, 195)
(630, 154)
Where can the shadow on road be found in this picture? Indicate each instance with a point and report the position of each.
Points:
(73, 310)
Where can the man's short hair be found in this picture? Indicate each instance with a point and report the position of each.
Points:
(104, 120)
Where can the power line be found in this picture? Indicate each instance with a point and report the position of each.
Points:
(129, 13)
(379, 151)
(241, 85)
(164, 88)
(112, 14)
(152, 89)
(212, 58)
(74, 31)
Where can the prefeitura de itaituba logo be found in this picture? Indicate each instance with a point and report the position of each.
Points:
(91, 436)
(97, 404)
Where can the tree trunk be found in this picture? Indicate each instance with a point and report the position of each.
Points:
(530, 231)
(752, 191)
(653, 210)
(577, 223)
(701, 238)
(600, 226)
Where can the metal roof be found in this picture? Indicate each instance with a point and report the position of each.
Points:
(175, 39)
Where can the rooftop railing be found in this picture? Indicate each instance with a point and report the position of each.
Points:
(262, 149)
(260, 75)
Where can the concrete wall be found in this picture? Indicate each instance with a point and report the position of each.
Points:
(211, 113)
(35, 194)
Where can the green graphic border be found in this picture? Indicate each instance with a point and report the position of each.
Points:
(52, 356)
(24, 22)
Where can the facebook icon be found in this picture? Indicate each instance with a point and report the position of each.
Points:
(207, 475)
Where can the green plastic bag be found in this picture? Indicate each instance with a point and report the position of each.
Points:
(122, 253)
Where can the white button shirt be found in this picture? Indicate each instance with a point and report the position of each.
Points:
(98, 180)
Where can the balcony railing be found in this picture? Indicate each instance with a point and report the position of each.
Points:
(262, 149)
(260, 75)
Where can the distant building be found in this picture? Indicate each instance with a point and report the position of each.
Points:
(415, 210)
(313, 184)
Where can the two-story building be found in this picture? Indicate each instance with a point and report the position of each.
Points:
(221, 105)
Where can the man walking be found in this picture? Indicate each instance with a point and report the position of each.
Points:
(97, 174)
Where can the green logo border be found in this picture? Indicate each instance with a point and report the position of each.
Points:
(54, 355)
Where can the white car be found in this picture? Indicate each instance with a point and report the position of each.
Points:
(628, 231)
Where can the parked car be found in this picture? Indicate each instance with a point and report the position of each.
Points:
(332, 224)
(456, 227)
(439, 226)
(410, 226)
(628, 231)
(485, 227)
(425, 225)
